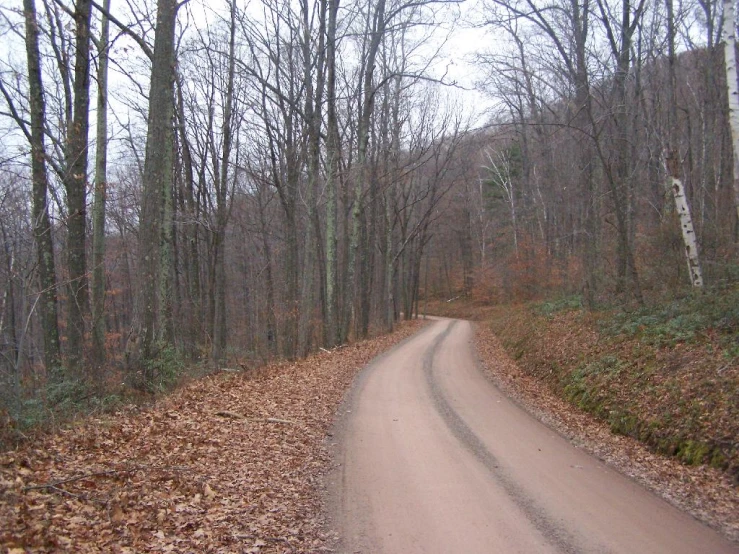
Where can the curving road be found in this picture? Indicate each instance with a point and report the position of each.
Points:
(434, 458)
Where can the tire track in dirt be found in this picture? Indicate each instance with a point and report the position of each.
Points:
(434, 458)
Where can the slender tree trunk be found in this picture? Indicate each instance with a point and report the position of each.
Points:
(191, 233)
(75, 183)
(271, 331)
(729, 25)
(332, 327)
(686, 223)
(292, 259)
(313, 116)
(363, 134)
(41, 220)
(222, 208)
(101, 185)
(583, 101)
(9, 306)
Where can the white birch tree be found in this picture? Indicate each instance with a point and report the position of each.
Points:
(729, 25)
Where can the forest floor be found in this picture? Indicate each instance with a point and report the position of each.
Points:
(230, 462)
(635, 401)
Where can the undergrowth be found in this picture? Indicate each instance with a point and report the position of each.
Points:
(686, 319)
(47, 406)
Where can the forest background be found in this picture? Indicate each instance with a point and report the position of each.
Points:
(183, 184)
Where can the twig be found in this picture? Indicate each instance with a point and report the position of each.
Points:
(233, 415)
(723, 367)
(230, 415)
(55, 484)
(62, 491)
(276, 420)
(266, 539)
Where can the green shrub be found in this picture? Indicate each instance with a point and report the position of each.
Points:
(563, 304)
(164, 370)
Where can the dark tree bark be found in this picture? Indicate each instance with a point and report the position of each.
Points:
(190, 208)
(618, 172)
(101, 186)
(332, 330)
(157, 184)
(313, 124)
(75, 183)
(41, 220)
(223, 198)
(376, 32)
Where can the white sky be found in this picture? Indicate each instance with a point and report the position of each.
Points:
(464, 40)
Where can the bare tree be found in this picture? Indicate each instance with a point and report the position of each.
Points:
(41, 222)
(672, 163)
(75, 183)
(99, 200)
(158, 172)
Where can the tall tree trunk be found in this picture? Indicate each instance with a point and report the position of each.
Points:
(9, 309)
(271, 331)
(729, 25)
(376, 33)
(332, 327)
(191, 233)
(222, 200)
(157, 182)
(583, 103)
(618, 172)
(101, 185)
(313, 116)
(41, 220)
(75, 183)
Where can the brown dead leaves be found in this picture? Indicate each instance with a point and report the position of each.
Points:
(229, 463)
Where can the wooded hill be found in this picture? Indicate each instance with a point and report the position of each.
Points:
(269, 179)
(525, 228)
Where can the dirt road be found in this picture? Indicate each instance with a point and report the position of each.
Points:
(435, 459)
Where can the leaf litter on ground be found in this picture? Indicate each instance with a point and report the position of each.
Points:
(228, 463)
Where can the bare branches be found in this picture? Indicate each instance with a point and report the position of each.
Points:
(127, 30)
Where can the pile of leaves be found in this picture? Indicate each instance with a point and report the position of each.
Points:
(231, 462)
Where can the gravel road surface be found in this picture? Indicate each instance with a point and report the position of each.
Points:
(434, 458)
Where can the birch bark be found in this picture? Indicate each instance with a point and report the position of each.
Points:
(672, 165)
(686, 223)
(729, 25)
